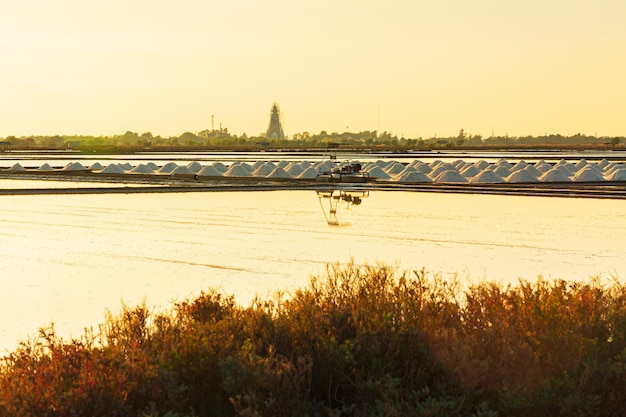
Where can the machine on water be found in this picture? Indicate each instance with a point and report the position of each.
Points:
(333, 198)
(346, 171)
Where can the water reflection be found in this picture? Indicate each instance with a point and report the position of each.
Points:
(332, 200)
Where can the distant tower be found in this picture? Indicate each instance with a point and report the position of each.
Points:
(275, 130)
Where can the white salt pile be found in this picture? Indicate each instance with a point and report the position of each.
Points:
(588, 173)
(422, 167)
(618, 174)
(412, 177)
(554, 175)
(394, 168)
(502, 170)
(168, 168)
(74, 166)
(379, 174)
(543, 168)
(182, 170)
(504, 163)
(237, 170)
(17, 168)
(113, 169)
(482, 164)
(520, 165)
(96, 166)
(449, 176)
(142, 169)
(209, 171)
(263, 170)
(294, 169)
(470, 171)
(219, 166)
(279, 172)
(308, 174)
(533, 171)
(439, 169)
(522, 175)
(45, 167)
(194, 167)
(487, 177)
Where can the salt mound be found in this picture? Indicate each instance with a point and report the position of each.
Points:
(305, 164)
(74, 166)
(504, 163)
(194, 166)
(308, 173)
(533, 171)
(617, 175)
(17, 168)
(522, 175)
(45, 167)
(412, 176)
(422, 167)
(543, 168)
(588, 174)
(113, 169)
(279, 172)
(394, 168)
(569, 168)
(450, 176)
(487, 176)
(554, 175)
(241, 164)
(153, 166)
(126, 166)
(282, 164)
(518, 166)
(263, 170)
(502, 170)
(219, 166)
(604, 162)
(414, 163)
(581, 164)
(459, 164)
(96, 166)
(142, 169)
(441, 168)
(182, 170)
(379, 174)
(470, 171)
(294, 169)
(482, 164)
(236, 170)
(168, 168)
(209, 171)
(406, 170)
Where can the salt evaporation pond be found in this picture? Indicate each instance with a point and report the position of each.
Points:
(68, 258)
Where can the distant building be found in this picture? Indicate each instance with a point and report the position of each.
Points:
(275, 130)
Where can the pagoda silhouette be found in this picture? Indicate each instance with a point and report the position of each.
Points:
(275, 130)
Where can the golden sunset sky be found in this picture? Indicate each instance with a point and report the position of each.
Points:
(411, 67)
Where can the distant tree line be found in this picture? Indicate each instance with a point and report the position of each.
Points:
(222, 139)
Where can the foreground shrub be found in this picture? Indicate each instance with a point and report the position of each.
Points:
(359, 341)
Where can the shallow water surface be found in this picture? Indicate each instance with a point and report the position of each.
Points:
(68, 258)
